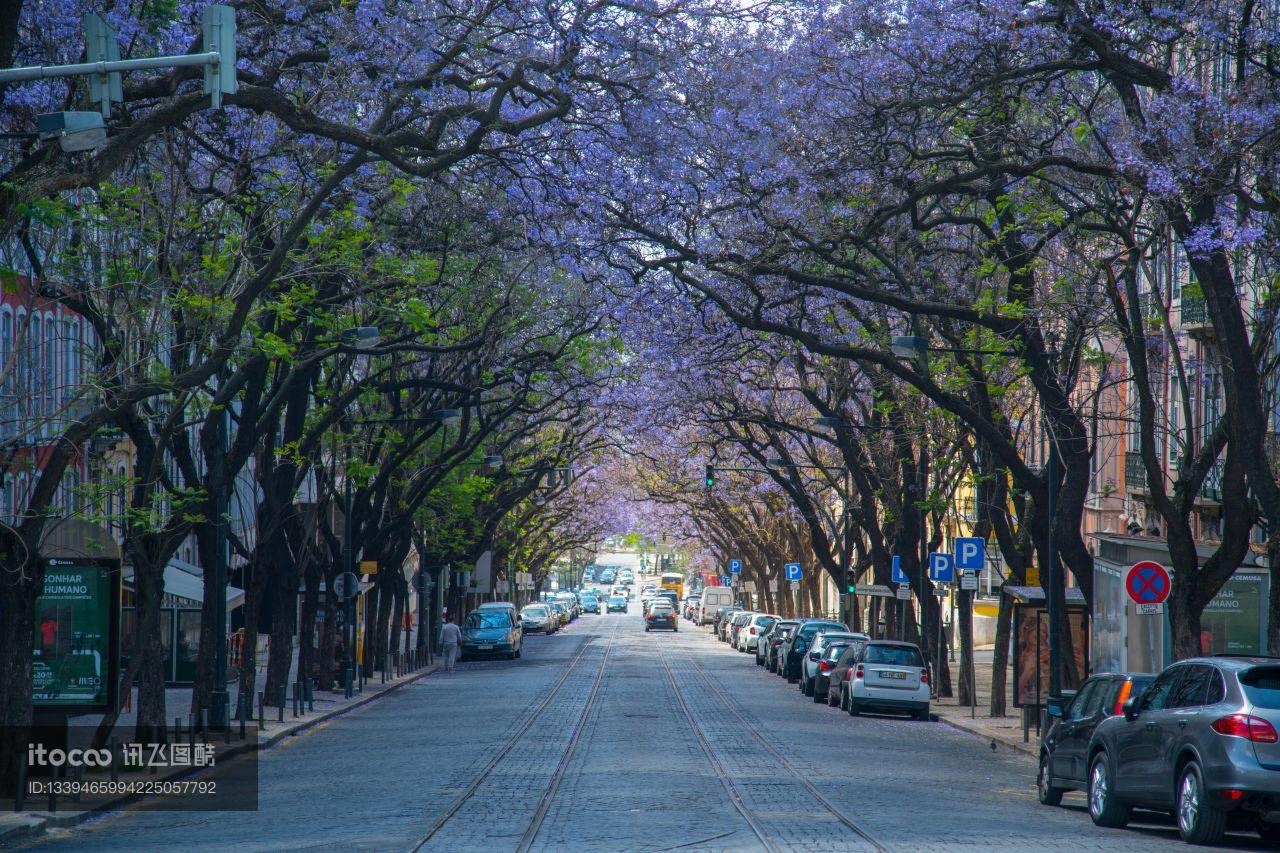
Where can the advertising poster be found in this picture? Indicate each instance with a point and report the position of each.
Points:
(1234, 620)
(76, 663)
(1031, 651)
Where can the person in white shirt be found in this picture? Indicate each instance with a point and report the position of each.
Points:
(450, 637)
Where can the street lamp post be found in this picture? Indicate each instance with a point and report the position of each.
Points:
(917, 346)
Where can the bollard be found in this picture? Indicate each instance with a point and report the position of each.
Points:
(240, 712)
(347, 683)
(262, 712)
(311, 696)
(280, 704)
(297, 693)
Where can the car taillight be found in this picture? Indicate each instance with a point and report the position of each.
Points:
(858, 672)
(1125, 690)
(826, 666)
(924, 678)
(753, 629)
(1246, 726)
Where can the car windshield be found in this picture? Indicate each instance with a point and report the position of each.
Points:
(812, 628)
(898, 655)
(1262, 686)
(488, 619)
(538, 612)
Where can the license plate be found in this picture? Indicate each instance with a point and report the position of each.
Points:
(901, 676)
(482, 648)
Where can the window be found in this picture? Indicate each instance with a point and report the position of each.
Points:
(1191, 690)
(1097, 701)
(1087, 694)
(1262, 686)
(896, 655)
(1157, 698)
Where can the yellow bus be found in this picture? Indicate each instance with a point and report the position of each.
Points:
(673, 581)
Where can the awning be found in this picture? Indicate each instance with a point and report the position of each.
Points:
(184, 585)
(1035, 594)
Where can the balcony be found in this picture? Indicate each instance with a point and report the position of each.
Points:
(1195, 315)
(1135, 473)
(1211, 488)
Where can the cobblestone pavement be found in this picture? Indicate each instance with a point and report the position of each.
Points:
(604, 737)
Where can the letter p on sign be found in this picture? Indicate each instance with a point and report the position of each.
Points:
(971, 553)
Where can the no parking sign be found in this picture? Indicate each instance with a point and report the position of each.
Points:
(1147, 583)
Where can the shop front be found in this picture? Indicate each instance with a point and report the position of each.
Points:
(1125, 640)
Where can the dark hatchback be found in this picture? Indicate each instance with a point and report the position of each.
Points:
(1064, 749)
(661, 616)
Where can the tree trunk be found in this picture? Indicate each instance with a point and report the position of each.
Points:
(307, 623)
(18, 593)
(964, 613)
(329, 634)
(284, 625)
(148, 581)
(1000, 662)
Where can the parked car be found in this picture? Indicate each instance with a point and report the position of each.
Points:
(796, 645)
(538, 617)
(820, 683)
(574, 604)
(749, 636)
(817, 649)
(1201, 740)
(1065, 743)
(725, 622)
(838, 677)
(739, 621)
(661, 615)
(889, 676)
(491, 632)
(718, 619)
(781, 631)
(617, 604)
(561, 610)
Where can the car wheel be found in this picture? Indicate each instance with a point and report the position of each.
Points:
(923, 714)
(1104, 808)
(520, 651)
(1198, 821)
(675, 627)
(511, 655)
(807, 687)
(1045, 791)
(646, 629)
(854, 706)
(818, 697)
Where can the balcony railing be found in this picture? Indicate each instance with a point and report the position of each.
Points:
(1135, 473)
(1195, 313)
(1211, 488)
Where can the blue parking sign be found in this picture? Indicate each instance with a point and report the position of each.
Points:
(735, 567)
(899, 576)
(794, 571)
(942, 567)
(971, 553)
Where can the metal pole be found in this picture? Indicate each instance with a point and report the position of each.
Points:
(39, 72)
(219, 698)
(348, 554)
(1053, 584)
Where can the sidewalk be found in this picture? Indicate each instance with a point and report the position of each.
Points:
(1005, 732)
(18, 826)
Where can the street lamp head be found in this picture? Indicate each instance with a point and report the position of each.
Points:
(909, 346)
(447, 416)
(361, 337)
(74, 130)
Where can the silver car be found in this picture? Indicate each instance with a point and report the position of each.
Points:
(1203, 741)
(537, 617)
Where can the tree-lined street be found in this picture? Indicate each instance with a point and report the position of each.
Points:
(607, 738)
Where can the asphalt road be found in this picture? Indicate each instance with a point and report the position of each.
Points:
(604, 737)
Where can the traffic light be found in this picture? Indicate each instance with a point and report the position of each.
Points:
(853, 588)
(711, 476)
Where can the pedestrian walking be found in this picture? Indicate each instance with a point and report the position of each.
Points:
(450, 637)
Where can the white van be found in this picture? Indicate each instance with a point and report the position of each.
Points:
(713, 598)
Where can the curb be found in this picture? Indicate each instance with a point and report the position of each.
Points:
(1016, 746)
(26, 825)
